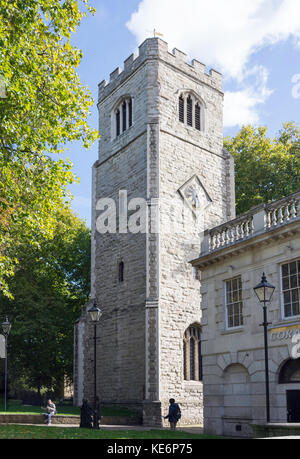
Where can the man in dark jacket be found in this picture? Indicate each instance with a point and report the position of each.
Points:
(174, 414)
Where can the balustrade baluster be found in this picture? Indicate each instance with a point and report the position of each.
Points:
(293, 209)
(286, 213)
(280, 215)
(274, 218)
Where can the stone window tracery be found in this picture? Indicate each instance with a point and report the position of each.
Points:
(191, 111)
(122, 116)
(192, 357)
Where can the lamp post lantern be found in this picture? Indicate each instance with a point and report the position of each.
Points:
(264, 292)
(6, 326)
(95, 313)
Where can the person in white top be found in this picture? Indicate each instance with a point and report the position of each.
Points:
(50, 411)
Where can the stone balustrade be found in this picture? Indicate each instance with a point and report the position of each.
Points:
(264, 218)
(283, 211)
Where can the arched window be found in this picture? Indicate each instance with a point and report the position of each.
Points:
(192, 358)
(290, 372)
(191, 111)
(121, 271)
(123, 116)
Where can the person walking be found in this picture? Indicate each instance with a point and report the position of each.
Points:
(174, 414)
(50, 411)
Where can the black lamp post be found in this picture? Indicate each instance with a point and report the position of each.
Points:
(264, 292)
(6, 326)
(95, 313)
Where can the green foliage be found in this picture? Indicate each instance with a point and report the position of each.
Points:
(44, 107)
(265, 169)
(51, 283)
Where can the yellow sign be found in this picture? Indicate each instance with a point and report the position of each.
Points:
(286, 332)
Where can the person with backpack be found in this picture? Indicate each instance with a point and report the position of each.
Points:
(174, 414)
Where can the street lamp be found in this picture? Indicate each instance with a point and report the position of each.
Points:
(95, 313)
(6, 326)
(264, 292)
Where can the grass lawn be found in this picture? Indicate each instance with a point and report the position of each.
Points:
(53, 432)
(66, 409)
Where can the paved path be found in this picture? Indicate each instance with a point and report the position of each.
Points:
(197, 429)
(189, 429)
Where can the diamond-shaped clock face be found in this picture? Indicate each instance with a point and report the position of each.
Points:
(195, 195)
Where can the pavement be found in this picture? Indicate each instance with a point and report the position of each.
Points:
(195, 429)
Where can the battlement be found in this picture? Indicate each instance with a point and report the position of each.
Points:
(155, 48)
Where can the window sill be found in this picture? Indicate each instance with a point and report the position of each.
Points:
(190, 128)
(122, 134)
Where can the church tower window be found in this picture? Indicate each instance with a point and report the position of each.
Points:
(191, 111)
(192, 358)
(197, 117)
(118, 122)
(124, 113)
(181, 109)
(123, 116)
(130, 112)
(121, 271)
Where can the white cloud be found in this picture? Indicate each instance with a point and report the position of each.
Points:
(223, 34)
(240, 107)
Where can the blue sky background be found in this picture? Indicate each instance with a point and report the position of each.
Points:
(265, 79)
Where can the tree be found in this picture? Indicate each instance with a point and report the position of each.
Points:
(265, 169)
(50, 285)
(43, 107)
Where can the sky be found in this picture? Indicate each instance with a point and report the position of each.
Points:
(255, 45)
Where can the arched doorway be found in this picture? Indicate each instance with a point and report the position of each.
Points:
(290, 374)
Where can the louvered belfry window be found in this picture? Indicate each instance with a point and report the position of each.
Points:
(124, 113)
(130, 112)
(189, 111)
(118, 122)
(197, 117)
(181, 109)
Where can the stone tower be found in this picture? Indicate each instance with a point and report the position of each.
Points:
(161, 121)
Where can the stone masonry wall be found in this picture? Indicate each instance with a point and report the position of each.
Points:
(185, 152)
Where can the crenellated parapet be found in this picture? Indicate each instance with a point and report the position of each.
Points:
(155, 48)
